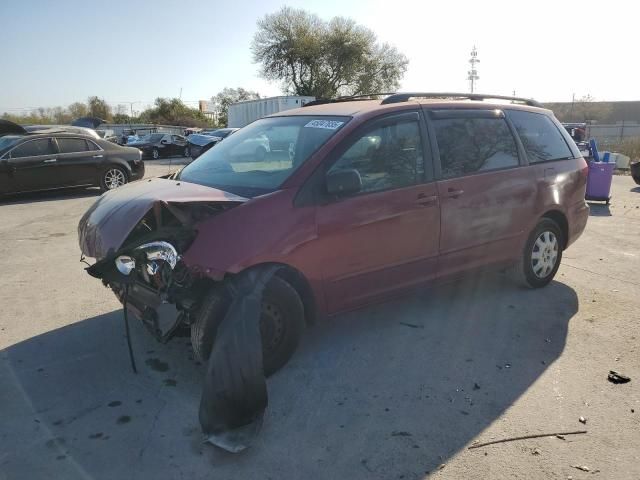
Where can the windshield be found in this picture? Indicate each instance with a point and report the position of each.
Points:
(258, 158)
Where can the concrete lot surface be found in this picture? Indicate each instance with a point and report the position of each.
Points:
(396, 391)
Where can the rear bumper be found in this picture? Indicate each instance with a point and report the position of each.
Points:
(577, 220)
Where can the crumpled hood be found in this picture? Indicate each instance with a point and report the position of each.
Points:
(107, 224)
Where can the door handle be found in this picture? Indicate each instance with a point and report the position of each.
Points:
(50, 160)
(549, 172)
(98, 156)
(426, 200)
(454, 193)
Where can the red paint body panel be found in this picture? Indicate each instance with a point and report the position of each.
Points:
(360, 249)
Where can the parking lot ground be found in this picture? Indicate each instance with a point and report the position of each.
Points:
(398, 390)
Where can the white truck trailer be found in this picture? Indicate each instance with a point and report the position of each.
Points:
(243, 113)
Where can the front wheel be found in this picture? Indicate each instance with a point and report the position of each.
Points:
(155, 154)
(187, 152)
(112, 177)
(541, 256)
(281, 323)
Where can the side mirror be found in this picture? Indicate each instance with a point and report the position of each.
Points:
(343, 182)
(164, 142)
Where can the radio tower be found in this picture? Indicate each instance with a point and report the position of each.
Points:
(473, 73)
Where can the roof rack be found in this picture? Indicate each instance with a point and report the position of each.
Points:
(347, 98)
(403, 97)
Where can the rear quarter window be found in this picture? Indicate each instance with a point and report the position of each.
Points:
(72, 145)
(470, 145)
(541, 138)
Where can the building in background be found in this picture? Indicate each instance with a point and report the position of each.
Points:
(208, 108)
(243, 113)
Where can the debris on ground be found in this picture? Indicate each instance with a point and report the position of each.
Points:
(584, 468)
(582, 420)
(561, 437)
(615, 377)
(536, 451)
(411, 325)
(525, 437)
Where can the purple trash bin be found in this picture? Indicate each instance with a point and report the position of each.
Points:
(599, 181)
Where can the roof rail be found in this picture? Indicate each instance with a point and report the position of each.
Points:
(346, 98)
(403, 97)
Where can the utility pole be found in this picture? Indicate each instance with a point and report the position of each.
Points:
(472, 75)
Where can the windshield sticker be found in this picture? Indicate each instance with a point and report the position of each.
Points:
(329, 124)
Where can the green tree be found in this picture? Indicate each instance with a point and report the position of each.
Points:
(325, 58)
(77, 110)
(174, 112)
(228, 96)
(97, 107)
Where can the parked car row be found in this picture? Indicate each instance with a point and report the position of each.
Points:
(60, 157)
(203, 141)
(157, 145)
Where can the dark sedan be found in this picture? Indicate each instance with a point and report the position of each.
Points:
(58, 159)
(158, 145)
(200, 143)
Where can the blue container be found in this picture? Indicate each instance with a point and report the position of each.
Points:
(606, 157)
(594, 150)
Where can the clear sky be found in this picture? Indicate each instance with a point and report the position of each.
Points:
(58, 52)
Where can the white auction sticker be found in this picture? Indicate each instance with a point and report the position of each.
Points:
(330, 124)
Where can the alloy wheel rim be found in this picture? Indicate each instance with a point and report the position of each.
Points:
(544, 255)
(114, 178)
(186, 152)
(155, 154)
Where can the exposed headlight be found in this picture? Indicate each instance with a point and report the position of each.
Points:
(125, 264)
(155, 251)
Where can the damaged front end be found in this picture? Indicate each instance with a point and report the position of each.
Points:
(138, 234)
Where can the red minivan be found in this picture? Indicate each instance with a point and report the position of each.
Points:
(356, 199)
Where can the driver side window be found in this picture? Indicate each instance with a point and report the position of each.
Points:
(387, 157)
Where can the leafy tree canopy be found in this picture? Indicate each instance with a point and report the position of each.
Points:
(324, 59)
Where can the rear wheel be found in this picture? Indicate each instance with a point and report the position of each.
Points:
(541, 256)
(187, 152)
(155, 154)
(281, 323)
(112, 177)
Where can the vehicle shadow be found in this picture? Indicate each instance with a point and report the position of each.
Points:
(391, 391)
(599, 210)
(635, 189)
(47, 196)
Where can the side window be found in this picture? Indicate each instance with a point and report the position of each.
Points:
(386, 157)
(92, 146)
(72, 145)
(542, 140)
(40, 146)
(469, 145)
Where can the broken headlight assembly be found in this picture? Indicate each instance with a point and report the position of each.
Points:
(156, 261)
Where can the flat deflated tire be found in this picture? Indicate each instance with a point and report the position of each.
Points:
(541, 256)
(281, 323)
